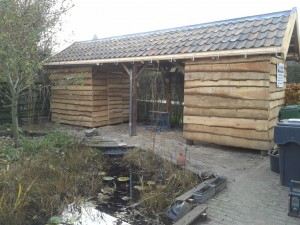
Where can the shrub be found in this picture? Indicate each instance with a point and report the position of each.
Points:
(35, 188)
(52, 141)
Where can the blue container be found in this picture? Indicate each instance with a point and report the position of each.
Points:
(287, 137)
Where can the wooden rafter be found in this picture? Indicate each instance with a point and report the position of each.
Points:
(297, 35)
(288, 33)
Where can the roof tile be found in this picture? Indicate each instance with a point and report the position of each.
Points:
(242, 33)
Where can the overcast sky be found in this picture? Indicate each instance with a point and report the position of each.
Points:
(105, 18)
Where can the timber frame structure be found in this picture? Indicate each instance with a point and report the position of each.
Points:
(230, 70)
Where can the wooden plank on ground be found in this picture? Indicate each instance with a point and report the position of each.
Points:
(192, 216)
(188, 194)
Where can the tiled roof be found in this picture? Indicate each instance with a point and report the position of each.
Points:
(242, 33)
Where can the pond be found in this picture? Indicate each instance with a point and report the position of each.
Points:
(138, 187)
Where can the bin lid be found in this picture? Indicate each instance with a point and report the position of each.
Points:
(289, 122)
(290, 107)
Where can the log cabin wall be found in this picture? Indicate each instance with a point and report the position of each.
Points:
(89, 98)
(232, 102)
(116, 94)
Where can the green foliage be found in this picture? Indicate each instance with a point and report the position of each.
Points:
(26, 37)
(52, 141)
(9, 153)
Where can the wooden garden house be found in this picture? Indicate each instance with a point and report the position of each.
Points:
(234, 77)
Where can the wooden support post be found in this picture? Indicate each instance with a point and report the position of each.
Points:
(133, 73)
(168, 94)
(133, 103)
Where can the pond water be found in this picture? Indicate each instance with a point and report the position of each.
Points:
(137, 191)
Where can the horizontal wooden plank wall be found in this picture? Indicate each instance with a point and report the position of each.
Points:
(89, 98)
(72, 100)
(117, 96)
(232, 102)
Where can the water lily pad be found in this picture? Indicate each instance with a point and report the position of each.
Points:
(107, 178)
(123, 179)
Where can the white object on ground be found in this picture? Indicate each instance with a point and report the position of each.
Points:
(87, 214)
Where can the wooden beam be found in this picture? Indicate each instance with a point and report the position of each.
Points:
(168, 94)
(192, 216)
(297, 36)
(127, 70)
(133, 73)
(288, 33)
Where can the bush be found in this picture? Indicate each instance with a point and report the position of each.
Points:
(34, 189)
(52, 141)
(9, 154)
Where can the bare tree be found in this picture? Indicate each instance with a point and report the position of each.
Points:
(27, 28)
